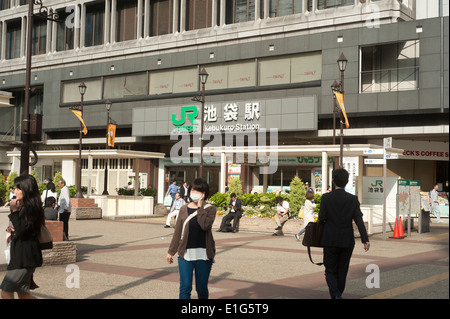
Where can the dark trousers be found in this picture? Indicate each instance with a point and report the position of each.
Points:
(227, 219)
(64, 217)
(337, 262)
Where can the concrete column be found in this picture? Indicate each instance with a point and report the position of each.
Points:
(82, 25)
(146, 19)
(161, 181)
(176, 17)
(324, 172)
(90, 159)
(183, 15)
(107, 27)
(113, 20)
(223, 172)
(222, 12)
(139, 19)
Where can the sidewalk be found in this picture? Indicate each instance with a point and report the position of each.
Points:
(126, 259)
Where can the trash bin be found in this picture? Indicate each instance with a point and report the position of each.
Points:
(424, 221)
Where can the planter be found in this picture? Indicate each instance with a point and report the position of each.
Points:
(119, 206)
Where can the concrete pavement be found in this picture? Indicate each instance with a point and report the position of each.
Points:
(125, 259)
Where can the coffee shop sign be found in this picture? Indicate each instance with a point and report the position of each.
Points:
(252, 112)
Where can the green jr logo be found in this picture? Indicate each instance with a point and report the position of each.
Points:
(377, 183)
(190, 111)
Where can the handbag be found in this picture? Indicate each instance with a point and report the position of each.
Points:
(45, 238)
(313, 237)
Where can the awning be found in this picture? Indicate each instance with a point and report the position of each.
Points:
(102, 153)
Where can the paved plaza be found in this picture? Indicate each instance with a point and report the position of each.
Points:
(125, 259)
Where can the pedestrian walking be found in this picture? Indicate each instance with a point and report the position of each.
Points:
(434, 199)
(64, 207)
(49, 191)
(173, 189)
(308, 213)
(26, 219)
(194, 242)
(337, 210)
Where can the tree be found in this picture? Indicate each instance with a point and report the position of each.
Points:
(297, 195)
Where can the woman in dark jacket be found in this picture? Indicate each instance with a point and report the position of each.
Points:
(26, 218)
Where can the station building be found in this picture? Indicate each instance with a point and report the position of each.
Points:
(271, 65)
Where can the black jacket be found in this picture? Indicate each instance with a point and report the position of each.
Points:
(25, 249)
(337, 210)
(238, 206)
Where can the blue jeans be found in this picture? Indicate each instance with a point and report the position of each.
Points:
(202, 270)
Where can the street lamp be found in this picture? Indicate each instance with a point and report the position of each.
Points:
(108, 104)
(79, 194)
(203, 78)
(44, 13)
(339, 87)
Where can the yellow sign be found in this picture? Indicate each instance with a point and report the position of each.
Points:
(79, 114)
(111, 134)
(340, 98)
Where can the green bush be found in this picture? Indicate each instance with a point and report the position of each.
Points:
(4, 192)
(125, 191)
(220, 200)
(147, 192)
(297, 195)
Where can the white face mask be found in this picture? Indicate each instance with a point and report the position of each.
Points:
(196, 196)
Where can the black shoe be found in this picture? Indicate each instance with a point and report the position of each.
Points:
(278, 228)
(166, 226)
(218, 231)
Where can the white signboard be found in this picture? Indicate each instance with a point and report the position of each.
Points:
(374, 161)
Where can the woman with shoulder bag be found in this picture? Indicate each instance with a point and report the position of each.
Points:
(308, 215)
(194, 242)
(27, 217)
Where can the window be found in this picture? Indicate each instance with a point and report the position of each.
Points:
(198, 14)
(278, 8)
(39, 38)
(390, 67)
(161, 16)
(71, 93)
(64, 34)
(4, 4)
(124, 86)
(126, 20)
(326, 4)
(13, 39)
(95, 14)
(240, 11)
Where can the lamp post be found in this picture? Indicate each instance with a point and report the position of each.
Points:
(25, 136)
(105, 184)
(203, 78)
(79, 194)
(339, 87)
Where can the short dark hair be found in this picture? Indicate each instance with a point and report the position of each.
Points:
(200, 185)
(309, 195)
(279, 199)
(233, 195)
(340, 177)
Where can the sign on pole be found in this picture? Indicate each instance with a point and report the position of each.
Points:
(374, 161)
(373, 151)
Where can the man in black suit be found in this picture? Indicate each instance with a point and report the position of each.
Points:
(235, 214)
(337, 210)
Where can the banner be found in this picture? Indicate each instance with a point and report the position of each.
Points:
(111, 134)
(340, 98)
(79, 114)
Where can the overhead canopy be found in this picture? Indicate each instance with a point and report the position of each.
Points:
(4, 99)
(296, 150)
(103, 153)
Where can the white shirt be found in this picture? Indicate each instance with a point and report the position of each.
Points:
(64, 200)
(284, 207)
(48, 193)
